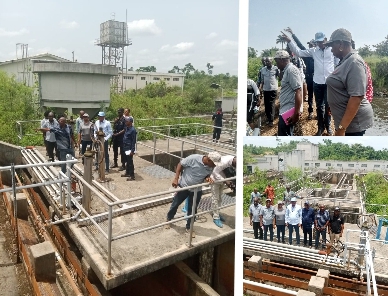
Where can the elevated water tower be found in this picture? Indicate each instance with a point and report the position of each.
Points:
(113, 40)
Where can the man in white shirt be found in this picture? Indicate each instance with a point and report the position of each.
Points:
(217, 188)
(293, 220)
(324, 62)
(253, 104)
(104, 125)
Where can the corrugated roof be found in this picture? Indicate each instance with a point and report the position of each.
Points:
(42, 55)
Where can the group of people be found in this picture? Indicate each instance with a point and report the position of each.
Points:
(331, 71)
(59, 136)
(266, 218)
(197, 169)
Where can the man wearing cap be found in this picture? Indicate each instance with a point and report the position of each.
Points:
(267, 219)
(287, 195)
(280, 221)
(254, 194)
(129, 146)
(269, 86)
(192, 170)
(309, 73)
(290, 97)
(51, 142)
(254, 218)
(322, 219)
(104, 125)
(324, 62)
(336, 226)
(217, 188)
(308, 217)
(117, 138)
(293, 220)
(84, 135)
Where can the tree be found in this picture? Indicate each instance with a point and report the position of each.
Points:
(146, 69)
(175, 69)
(281, 39)
(269, 52)
(187, 69)
(382, 48)
(252, 53)
(365, 51)
(209, 68)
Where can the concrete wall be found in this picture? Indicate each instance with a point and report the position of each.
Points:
(311, 150)
(9, 154)
(227, 104)
(294, 158)
(139, 80)
(348, 166)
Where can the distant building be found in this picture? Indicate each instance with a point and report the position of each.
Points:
(138, 80)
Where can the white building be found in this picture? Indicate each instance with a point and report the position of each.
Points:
(137, 80)
(311, 150)
(21, 69)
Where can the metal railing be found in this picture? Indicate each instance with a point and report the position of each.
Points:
(67, 200)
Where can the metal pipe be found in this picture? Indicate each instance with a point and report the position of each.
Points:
(153, 157)
(269, 287)
(193, 207)
(34, 185)
(109, 241)
(25, 166)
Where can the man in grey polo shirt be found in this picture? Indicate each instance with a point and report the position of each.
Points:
(194, 169)
(290, 93)
(267, 219)
(269, 86)
(254, 218)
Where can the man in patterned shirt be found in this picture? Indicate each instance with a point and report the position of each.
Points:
(322, 219)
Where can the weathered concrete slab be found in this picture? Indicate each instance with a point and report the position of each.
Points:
(43, 262)
(316, 285)
(324, 273)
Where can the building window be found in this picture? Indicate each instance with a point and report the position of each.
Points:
(156, 78)
(306, 164)
(130, 77)
(364, 165)
(351, 165)
(175, 79)
(249, 169)
(376, 166)
(339, 164)
(328, 164)
(317, 164)
(142, 78)
(166, 79)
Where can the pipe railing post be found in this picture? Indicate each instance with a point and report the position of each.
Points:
(182, 149)
(193, 212)
(15, 210)
(154, 156)
(68, 174)
(109, 271)
(168, 139)
(86, 192)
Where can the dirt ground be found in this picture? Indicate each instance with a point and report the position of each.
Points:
(308, 127)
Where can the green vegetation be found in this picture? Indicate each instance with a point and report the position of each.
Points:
(17, 102)
(376, 191)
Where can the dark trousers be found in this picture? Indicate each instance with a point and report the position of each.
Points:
(310, 91)
(290, 231)
(270, 228)
(256, 230)
(178, 199)
(84, 144)
(216, 133)
(106, 151)
(50, 146)
(280, 229)
(355, 134)
(62, 157)
(283, 129)
(320, 233)
(308, 231)
(118, 143)
(324, 119)
(130, 169)
(269, 104)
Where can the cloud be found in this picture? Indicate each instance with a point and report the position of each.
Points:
(178, 57)
(143, 28)
(144, 52)
(218, 63)
(177, 48)
(5, 33)
(211, 35)
(68, 25)
(229, 44)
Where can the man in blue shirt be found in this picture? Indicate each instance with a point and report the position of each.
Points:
(308, 217)
(65, 140)
(322, 219)
(117, 139)
(129, 146)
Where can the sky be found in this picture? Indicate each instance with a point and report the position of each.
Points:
(378, 143)
(367, 21)
(163, 33)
